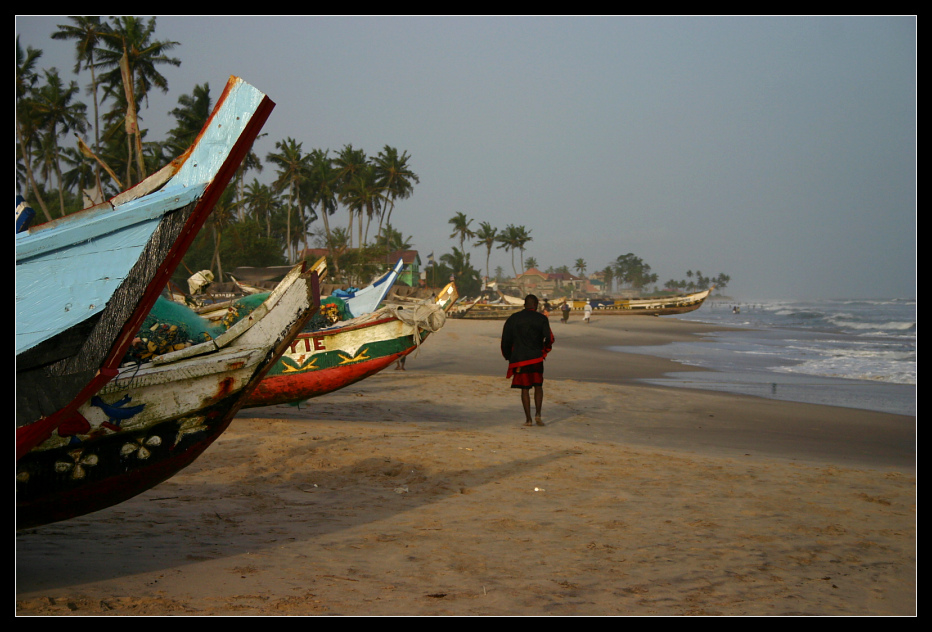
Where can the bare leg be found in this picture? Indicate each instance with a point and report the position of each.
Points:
(538, 402)
(526, 403)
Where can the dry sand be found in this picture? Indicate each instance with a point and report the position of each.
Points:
(421, 493)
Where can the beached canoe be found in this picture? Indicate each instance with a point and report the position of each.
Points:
(154, 419)
(656, 306)
(85, 282)
(320, 362)
(486, 311)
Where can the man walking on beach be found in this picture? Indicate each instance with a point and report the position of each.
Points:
(526, 341)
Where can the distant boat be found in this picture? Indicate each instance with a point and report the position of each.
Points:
(657, 306)
(320, 362)
(85, 282)
(154, 419)
(486, 311)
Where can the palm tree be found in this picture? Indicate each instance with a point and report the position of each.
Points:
(348, 163)
(363, 195)
(461, 228)
(522, 236)
(26, 79)
(87, 31)
(486, 236)
(509, 239)
(580, 266)
(261, 202)
(392, 240)
(529, 263)
(79, 174)
(57, 113)
(322, 189)
(131, 55)
(466, 277)
(293, 170)
(608, 275)
(191, 115)
(394, 177)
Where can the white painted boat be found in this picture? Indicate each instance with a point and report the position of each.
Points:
(153, 419)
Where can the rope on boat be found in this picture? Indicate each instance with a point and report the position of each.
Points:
(427, 317)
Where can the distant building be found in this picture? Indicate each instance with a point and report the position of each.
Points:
(548, 284)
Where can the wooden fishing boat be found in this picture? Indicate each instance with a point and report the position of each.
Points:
(85, 282)
(657, 306)
(154, 419)
(357, 302)
(369, 298)
(320, 362)
(487, 311)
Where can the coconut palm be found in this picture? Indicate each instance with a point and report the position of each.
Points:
(293, 167)
(461, 228)
(261, 202)
(362, 195)
(580, 266)
(486, 236)
(509, 240)
(26, 130)
(608, 275)
(466, 277)
(348, 163)
(522, 237)
(79, 175)
(321, 192)
(131, 52)
(394, 177)
(392, 240)
(57, 113)
(86, 31)
(190, 116)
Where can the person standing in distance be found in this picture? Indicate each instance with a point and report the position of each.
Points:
(526, 341)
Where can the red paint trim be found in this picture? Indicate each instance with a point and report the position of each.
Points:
(31, 435)
(283, 389)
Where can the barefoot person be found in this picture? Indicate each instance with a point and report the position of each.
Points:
(526, 341)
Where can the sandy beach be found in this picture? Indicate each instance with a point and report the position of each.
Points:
(420, 492)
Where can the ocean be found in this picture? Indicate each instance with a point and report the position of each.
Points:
(852, 353)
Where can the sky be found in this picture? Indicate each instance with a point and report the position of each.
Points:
(778, 150)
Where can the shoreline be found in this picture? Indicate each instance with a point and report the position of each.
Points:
(420, 493)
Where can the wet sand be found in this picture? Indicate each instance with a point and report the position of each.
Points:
(421, 493)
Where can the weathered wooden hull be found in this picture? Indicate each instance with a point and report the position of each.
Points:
(85, 282)
(488, 312)
(153, 420)
(317, 363)
(664, 306)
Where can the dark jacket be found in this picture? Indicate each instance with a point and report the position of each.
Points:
(526, 341)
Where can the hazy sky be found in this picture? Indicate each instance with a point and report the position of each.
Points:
(779, 150)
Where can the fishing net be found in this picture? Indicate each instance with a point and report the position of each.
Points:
(332, 310)
(170, 326)
(240, 308)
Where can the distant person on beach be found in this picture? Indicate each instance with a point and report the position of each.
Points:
(526, 341)
(566, 312)
(587, 311)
